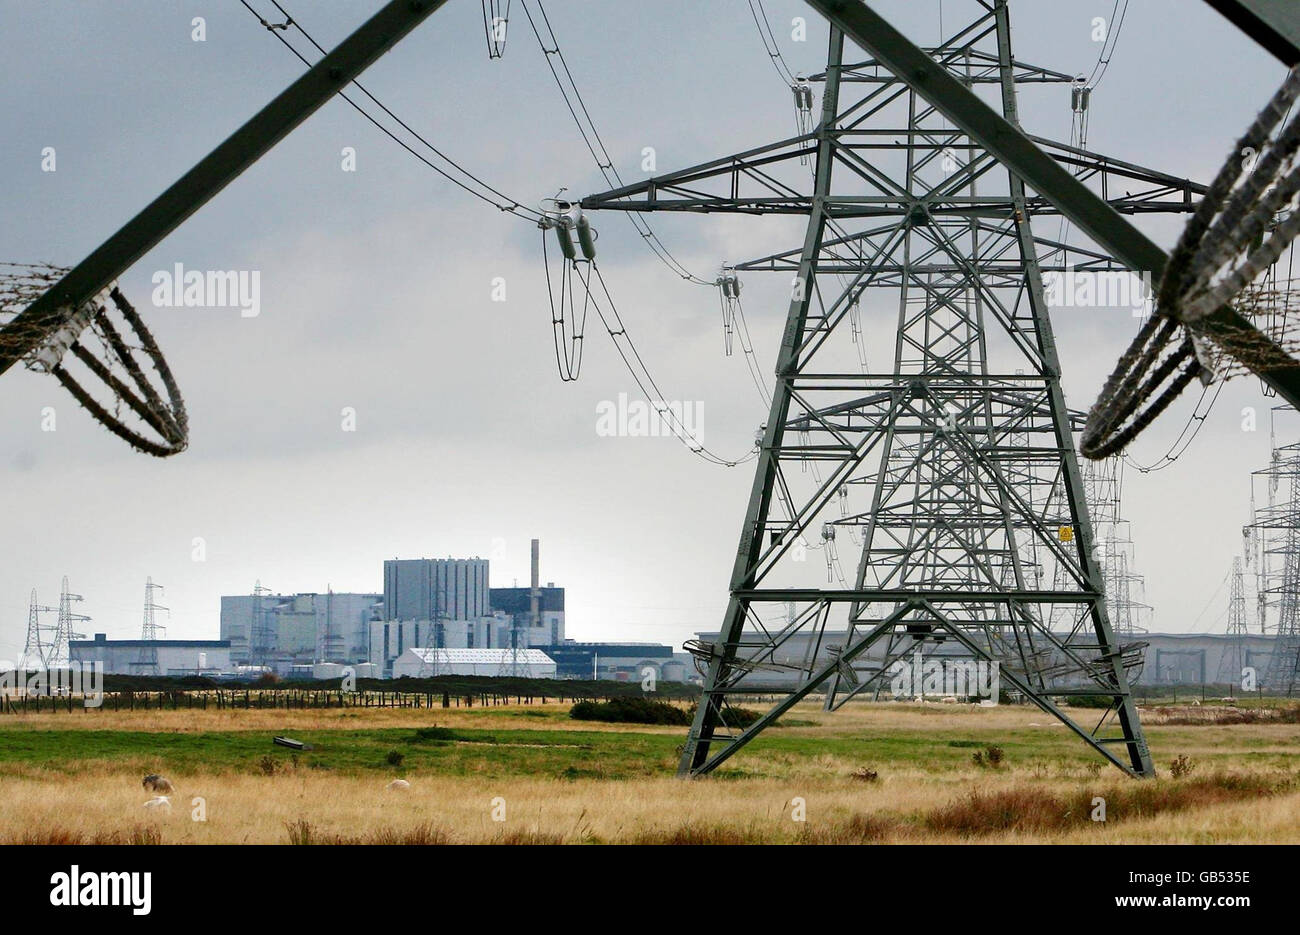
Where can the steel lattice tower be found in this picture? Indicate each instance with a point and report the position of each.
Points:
(261, 634)
(1232, 665)
(58, 655)
(941, 468)
(1278, 526)
(147, 664)
(1103, 487)
(36, 650)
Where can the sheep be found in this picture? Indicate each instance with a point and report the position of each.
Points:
(158, 784)
(160, 803)
(399, 785)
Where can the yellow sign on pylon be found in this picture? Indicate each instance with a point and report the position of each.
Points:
(1065, 533)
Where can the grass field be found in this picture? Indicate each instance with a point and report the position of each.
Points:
(869, 773)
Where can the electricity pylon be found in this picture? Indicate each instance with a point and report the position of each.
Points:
(147, 664)
(260, 632)
(59, 654)
(1103, 483)
(36, 650)
(514, 662)
(1278, 528)
(941, 465)
(1232, 664)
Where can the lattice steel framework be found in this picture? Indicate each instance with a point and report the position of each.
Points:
(1233, 662)
(1277, 527)
(36, 649)
(1103, 484)
(952, 471)
(64, 631)
(150, 631)
(261, 631)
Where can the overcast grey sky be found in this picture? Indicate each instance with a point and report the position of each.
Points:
(376, 295)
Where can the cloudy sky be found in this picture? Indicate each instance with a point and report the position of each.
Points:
(376, 295)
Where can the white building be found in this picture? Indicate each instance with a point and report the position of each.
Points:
(417, 663)
(390, 638)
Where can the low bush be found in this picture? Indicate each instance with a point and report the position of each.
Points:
(630, 711)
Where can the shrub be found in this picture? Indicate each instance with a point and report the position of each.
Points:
(630, 711)
(1029, 809)
(395, 757)
(1181, 767)
(865, 774)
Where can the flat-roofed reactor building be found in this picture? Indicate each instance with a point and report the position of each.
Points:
(436, 589)
(433, 602)
(284, 630)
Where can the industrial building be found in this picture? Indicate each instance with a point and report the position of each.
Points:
(623, 662)
(448, 604)
(153, 657)
(389, 639)
(426, 604)
(426, 663)
(516, 604)
(282, 631)
(436, 589)
(1186, 659)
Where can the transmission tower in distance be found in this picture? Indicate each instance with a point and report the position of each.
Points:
(59, 655)
(37, 649)
(1233, 662)
(1277, 527)
(940, 464)
(1103, 483)
(514, 662)
(147, 663)
(261, 634)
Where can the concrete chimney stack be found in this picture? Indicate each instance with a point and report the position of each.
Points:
(535, 605)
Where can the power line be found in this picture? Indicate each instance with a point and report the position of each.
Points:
(1108, 45)
(595, 144)
(1195, 422)
(769, 42)
(506, 204)
(636, 366)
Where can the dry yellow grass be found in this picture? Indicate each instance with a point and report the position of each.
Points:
(102, 799)
(243, 809)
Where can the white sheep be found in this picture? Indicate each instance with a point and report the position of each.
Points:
(399, 785)
(159, 803)
(158, 784)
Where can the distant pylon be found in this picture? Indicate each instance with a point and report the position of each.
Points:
(431, 664)
(59, 653)
(1232, 664)
(148, 661)
(1278, 528)
(259, 632)
(514, 663)
(37, 648)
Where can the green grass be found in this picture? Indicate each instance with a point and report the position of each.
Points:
(457, 752)
(572, 753)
